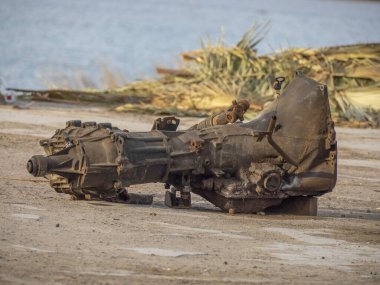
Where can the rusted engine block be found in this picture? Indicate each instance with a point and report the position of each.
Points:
(288, 150)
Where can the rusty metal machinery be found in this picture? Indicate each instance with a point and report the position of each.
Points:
(289, 150)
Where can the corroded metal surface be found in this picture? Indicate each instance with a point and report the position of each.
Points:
(288, 150)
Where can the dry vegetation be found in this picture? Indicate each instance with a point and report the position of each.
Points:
(214, 75)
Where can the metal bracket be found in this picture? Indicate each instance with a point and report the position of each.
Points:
(166, 124)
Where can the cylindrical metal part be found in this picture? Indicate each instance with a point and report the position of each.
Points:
(37, 165)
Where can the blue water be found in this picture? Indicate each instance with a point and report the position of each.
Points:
(42, 38)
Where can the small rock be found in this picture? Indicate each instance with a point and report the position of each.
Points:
(57, 225)
(152, 214)
(323, 257)
(225, 263)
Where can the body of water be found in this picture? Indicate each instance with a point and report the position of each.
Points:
(42, 38)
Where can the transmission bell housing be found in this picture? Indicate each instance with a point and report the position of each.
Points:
(288, 151)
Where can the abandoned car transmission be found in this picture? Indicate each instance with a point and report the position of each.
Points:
(289, 150)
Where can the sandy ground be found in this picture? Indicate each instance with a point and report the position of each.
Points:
(46, 238)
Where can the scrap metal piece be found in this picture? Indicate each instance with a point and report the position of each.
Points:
(288, 151)
(132, 198)
(166, 124)
(278, 83)
(182, 202)
(235, 112)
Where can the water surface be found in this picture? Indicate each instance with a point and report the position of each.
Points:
(41, 39)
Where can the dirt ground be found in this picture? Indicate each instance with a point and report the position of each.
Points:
(46, 238)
